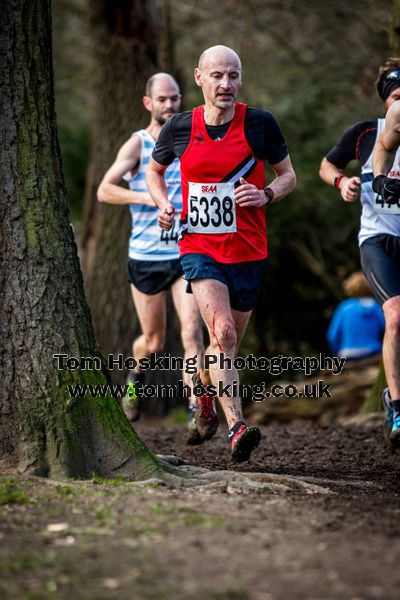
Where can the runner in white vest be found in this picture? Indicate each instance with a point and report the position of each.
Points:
(153, 263)
(379, 236)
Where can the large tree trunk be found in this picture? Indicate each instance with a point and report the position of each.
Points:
(44, 311)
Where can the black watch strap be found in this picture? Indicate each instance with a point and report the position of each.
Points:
(270, 195)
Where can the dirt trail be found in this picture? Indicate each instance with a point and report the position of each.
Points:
(339, 539)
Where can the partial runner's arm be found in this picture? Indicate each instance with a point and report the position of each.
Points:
(128, 159)
(349, 186)
(285, 181)
(248, 195)
(388, 142)
(356, 143)
(158, 190)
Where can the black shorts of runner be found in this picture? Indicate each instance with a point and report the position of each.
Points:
(153, 276)
(243, 279)
(380, 262)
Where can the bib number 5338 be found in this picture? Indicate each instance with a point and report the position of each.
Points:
(211, 208)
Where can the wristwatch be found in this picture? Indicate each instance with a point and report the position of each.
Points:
(270, 195)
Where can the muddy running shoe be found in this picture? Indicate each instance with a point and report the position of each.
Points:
(388, 408)
(131, 402)
(193, 435)
(394, 436)
(206, 416)
(243, 441)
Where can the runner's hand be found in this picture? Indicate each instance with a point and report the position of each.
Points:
(248, 194)
(166, 217)
(350, 188)
(387, 188)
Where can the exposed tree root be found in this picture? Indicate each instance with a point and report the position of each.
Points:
(183, 475)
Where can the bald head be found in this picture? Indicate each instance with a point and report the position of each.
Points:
(219, 74)
(162, 97)
(160, 80)
(218, 54)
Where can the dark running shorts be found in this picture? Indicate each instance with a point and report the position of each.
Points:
(243, 279)
(380, 261)
(153, 276)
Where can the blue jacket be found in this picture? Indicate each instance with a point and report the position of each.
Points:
(356, 328)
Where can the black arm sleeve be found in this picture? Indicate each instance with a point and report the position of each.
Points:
(174, 138)
(163, 152)
(264, 136)
(356, 144)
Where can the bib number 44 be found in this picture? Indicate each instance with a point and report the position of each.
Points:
(172, 234)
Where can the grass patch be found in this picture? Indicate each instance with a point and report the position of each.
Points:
(64, 490)
(11, 494)
(177, 416)
(184, 516)
(104, 481)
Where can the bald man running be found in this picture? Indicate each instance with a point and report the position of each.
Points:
(154, 264)
(223, 146)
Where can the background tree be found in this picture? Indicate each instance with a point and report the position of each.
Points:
(127, 42)
(43, 430)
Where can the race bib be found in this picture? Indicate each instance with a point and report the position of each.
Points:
(384, 208)
(211, 208)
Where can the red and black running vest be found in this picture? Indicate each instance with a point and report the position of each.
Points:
(206, 161)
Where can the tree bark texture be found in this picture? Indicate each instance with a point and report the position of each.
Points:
(43, 307)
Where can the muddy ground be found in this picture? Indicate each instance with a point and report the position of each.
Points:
(325, 526)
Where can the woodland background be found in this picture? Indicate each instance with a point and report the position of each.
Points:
(312, 64)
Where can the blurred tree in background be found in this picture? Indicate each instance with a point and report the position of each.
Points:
(313, 65)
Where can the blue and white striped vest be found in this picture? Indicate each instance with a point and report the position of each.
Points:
(148, 241)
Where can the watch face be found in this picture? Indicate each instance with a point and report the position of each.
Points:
(269, 193)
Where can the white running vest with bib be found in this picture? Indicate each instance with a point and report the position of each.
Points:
(377, 217)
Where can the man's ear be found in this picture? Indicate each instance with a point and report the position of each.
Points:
(147, 103)
(197, 76)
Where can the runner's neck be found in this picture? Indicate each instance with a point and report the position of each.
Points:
(154, 130)
(217, 116)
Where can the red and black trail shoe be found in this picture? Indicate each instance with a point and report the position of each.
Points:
(243, 441)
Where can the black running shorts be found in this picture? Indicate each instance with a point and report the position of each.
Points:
(153, 276)
(380, 262)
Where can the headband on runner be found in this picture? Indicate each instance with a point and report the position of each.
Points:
(390, 82)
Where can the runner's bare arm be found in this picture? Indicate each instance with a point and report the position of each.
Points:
(248, 194)
(127, 160)
(156, 185)
(387, 143)
(349, 186)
